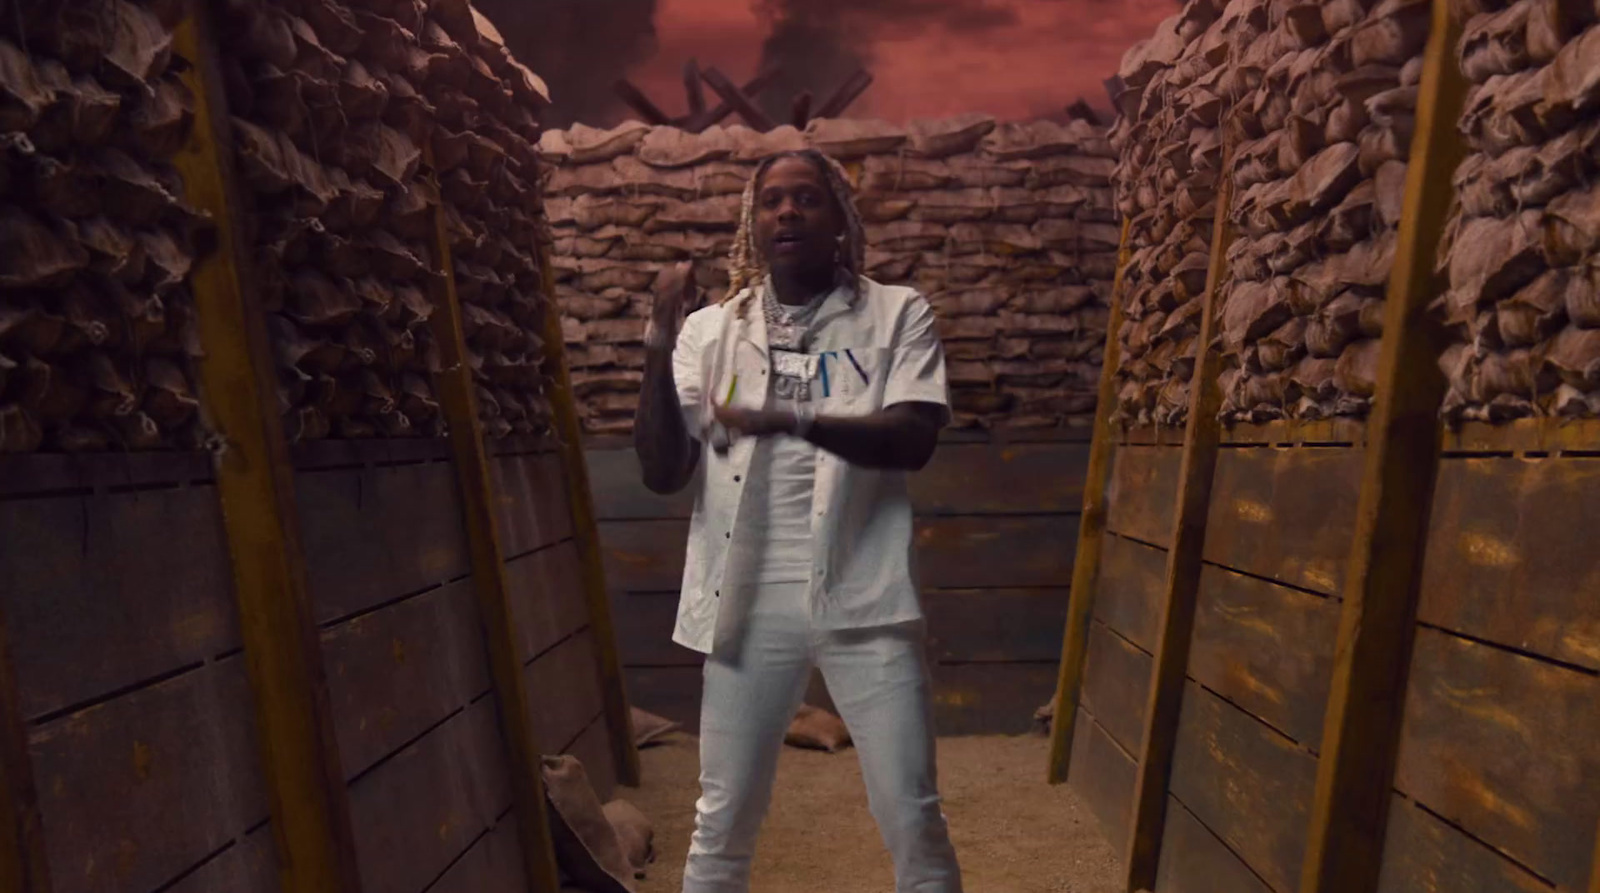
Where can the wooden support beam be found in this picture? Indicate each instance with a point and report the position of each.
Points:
(1361, 730)
(1082, 110)
(458, 401)
(801, 114)
(1091, 533)
(640, 103)
(255, 482)
(737, 100)
(693, 89)
(752, 89)
(846, 95)
(24, 863)
(1201, 440)
(569, 431)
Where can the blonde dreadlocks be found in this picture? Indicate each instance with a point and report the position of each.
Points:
(746, 267)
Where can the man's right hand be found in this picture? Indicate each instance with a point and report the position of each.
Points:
(675, 291)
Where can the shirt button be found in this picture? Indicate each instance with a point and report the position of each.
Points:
(728, 535)
(736, 479)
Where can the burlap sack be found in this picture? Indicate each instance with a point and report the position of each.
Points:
(954, 206)
(587, 846)
(816, 729)
(750, 146)
(894, 174)
(848, 138)
(634, 832)
(1491, 258)
(649, 729)
(949, 136)
(877, 208)
(592, 146)
(669, 147)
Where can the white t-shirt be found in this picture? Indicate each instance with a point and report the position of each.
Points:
(783, 474)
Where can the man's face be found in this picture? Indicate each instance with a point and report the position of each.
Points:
(797, 223)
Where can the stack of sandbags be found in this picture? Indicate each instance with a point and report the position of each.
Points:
(1523, 246)
(1319, 178)
(334, 105)
(1009, 230)
(97, 333)
(1177, 90)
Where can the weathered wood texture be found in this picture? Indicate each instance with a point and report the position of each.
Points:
(123, 805)
(1102, 773)
(1116, 682)
(24, 861)
(1500, 745)
(1127, 594)
(418, 811)
(563, 693)
(1390, 532)
(1193, 860)
(1266, 648)
(530, 502)
(1285, 514)
(1250, 785)
(547, 602)
(993, 539)
(1503, 564)
(249, 865)
(493, 865)
(1143, 492)
(1423, 854)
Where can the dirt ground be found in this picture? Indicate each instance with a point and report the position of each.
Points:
(1013, 833)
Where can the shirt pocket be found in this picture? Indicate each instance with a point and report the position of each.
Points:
(852, 379)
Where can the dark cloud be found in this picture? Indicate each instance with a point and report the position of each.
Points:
(580, 48)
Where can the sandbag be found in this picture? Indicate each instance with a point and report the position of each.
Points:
(848, 138)
(649, 729)
(816, 729)
(634, 832)
(591, 146)
(669, 147)
(949, 136)
(750, 146)
(587, 846)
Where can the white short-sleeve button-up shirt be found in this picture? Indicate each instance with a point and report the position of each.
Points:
(876, 348)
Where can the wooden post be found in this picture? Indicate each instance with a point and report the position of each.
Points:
(569, 431)
(1377, 627)
(693, 89)
(737, 100)
(640, 103)
(1091, 533)
(459, 404)
(847, 94)
(800, 115)
(24, 863)
(1201, 440)
(305, 780)
(752, 88)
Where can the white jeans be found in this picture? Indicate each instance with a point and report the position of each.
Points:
(754, 684)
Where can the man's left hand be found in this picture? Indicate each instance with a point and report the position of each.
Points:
(755, 422)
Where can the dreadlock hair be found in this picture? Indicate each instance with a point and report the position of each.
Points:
(746, 267)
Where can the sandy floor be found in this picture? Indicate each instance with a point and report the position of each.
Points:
(1014, 834)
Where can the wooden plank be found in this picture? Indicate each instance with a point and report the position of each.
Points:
(1091, 533)
(375, 534)
(693, 90)
(1267, 648)
(418, 811)
(644, 556)
(1250, 785)
(569, 431)
(620, 493)
(530, 502)
(313, 455)
(994, 625)
(24, 860)
(989, 699)
(1103, 775)
(645, 621)
(1497, 743)
(1502, 563)
(994, 552)
(673, 692)
(547, 602)
(140, 580)
(1423, 854)
(519, 728)
(737, 100)
(751, 88)
(564, 692)
(1128, 592)
(1144, 492)
(1186, 541)
(1361, 731)
(1285, 514)
(493, 865)
(31, 474)
(397, 671)
(1298, 432)
(137, 790)
(641, 104)
(847, 94)
(1115, 686)
(248, 866)
(1535, 435)
(994, 479)
(593, 749)
(237, 378)
(1193, 860)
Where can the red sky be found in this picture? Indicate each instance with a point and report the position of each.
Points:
(1058, 51)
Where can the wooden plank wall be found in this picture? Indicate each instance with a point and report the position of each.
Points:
(994, 524)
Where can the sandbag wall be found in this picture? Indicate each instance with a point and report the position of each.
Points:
(1007, 228)
(1499, 674)
(145, 759)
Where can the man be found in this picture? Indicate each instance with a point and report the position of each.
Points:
(817, 390)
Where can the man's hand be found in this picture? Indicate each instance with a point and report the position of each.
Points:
(675, 291)
(755, 422)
